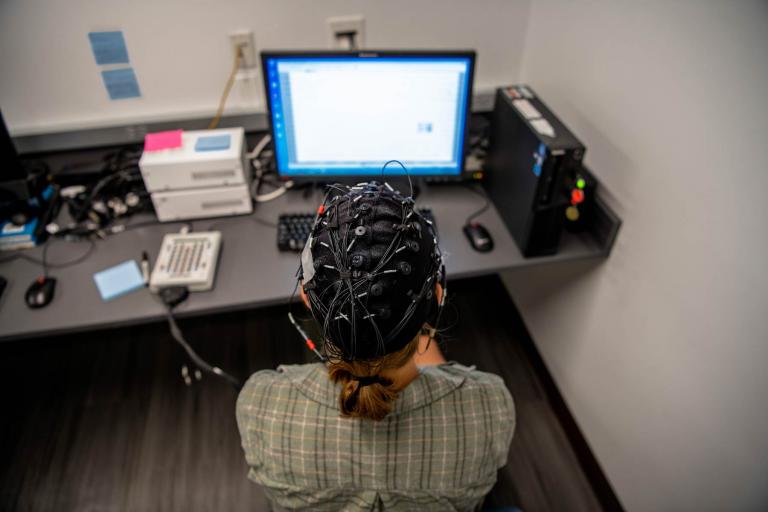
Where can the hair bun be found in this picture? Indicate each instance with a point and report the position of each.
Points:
(368, 396)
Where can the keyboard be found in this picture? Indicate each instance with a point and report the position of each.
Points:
(293, 228)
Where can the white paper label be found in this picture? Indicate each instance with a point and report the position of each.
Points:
(543, 127)
(525, 92)
(525, 108)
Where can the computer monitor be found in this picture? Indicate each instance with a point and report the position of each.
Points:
(344, 114)
(13, 176)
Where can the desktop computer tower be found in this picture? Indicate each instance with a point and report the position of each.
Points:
(532, 159)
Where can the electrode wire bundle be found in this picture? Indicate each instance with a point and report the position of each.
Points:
(362, 270)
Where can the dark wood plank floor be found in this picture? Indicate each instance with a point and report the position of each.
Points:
(102, 421)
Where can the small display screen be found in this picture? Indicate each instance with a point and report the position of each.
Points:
(348, 115)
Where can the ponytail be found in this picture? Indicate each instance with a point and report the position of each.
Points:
(360, 399)
(364, 392)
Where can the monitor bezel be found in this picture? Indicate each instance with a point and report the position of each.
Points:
(372, 54)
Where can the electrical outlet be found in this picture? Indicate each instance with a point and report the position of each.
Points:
(346, 32)
(243, 40)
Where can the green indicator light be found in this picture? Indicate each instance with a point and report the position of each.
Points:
(580, 183)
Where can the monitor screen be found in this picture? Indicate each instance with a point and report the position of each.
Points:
(346, 114)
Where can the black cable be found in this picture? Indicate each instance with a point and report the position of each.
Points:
(172, 297)
(118, 192)
(405, 170)
(46, 264)
(45, 257)
(482, 209)
(119, 228)
(199, 361)
(80, 237)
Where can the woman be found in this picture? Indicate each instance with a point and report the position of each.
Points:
(384, 423)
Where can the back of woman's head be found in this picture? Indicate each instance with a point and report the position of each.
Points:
(369, 271)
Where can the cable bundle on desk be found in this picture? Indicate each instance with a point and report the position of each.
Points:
(118, 193)
(264, 173)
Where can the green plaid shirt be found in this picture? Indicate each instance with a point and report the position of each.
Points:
(439, 449)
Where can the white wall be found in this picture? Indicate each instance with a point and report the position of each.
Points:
(180, 50)
(661, 352)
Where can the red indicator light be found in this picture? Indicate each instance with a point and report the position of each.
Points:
(320, 209)
(577, 196)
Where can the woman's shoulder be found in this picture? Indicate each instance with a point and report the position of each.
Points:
(471, 376)
(265, 386)
(260, 379)
(475, 383)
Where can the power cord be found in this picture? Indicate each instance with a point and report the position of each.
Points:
(269, 196)
(260, 175)
(228, 87)
(482, 209)
(257, 149)
(172, 297)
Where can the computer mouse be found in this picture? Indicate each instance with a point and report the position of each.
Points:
(479, 237)
(40, 292)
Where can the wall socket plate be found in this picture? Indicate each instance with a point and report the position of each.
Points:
(244, 40)
(346, 32)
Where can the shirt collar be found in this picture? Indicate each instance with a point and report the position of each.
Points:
(432, 384)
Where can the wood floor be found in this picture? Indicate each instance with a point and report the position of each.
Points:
(102, 421)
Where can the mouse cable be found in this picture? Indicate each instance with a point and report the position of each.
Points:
(482, 209)
(171, 298)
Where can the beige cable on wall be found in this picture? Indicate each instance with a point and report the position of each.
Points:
(228, 87)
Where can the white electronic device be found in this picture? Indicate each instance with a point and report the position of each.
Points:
(200, 203)
(206, 158)
(187, 259)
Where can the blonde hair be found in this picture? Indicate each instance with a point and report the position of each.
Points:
(372, 401)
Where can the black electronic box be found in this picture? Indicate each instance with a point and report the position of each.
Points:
(534, 163)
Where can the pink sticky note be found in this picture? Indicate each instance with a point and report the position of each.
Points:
(162, 140)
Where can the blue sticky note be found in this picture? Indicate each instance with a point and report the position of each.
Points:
(119, 280)
(121, 83)
(213, 143)
(108, 47)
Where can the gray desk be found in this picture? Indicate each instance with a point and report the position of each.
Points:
(251, 273)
